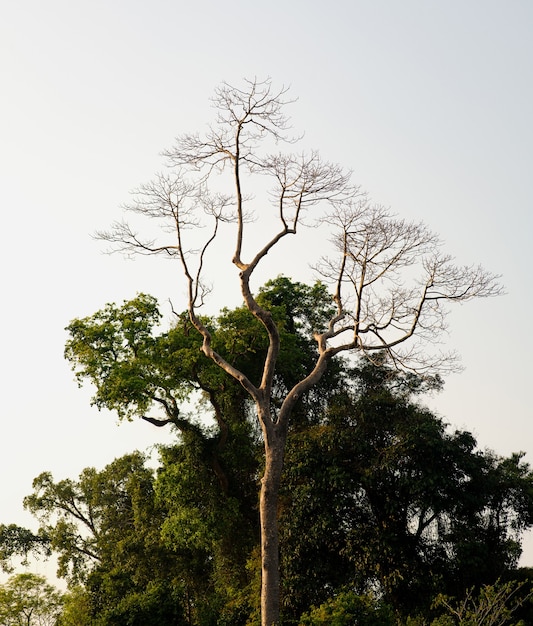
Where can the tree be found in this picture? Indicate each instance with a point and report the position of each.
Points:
(76, 608)
(208, 482)
(28, 600)
(83, 519)
(390, 281)
(20, 542)
(105, 530)
(495, 605)
(346, 609)
(381, 496)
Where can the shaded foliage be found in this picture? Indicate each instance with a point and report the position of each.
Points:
(28, 600)
(378, 496)
(492, 605)
(347, 609)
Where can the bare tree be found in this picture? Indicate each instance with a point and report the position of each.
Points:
(390, 281)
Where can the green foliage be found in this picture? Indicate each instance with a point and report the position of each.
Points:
(27, 599)
(381, 494)
(76, 608)
(299, 311)
(207, 485)
(377, 493)
(132, 369)
(84, 520)
(151, 551)
(349, 609)
(105, 529)
(494, 605)
(117, 601)
(211, 531)
(16, 541)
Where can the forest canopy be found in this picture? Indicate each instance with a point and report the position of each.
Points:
(380, 499)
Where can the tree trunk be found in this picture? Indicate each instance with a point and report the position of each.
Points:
(268, 509)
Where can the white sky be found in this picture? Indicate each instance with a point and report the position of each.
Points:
(430, 104)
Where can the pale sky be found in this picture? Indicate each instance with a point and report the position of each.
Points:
(429, 103)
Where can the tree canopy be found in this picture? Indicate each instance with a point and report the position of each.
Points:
(381, 495)
(377, 493)
(28, 600)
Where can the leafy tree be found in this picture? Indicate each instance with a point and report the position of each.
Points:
(208, 483)
(494, 605)
(76, 608)
(381, 496)
(105, 529)
(377, 495)
(85, 519)
(390, 281)
(357, 440)
(16, 541)
(210, 477)
(347, 609)
(28, 600)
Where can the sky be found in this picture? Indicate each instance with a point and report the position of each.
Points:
(428, 103)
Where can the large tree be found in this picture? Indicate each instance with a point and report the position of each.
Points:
(390, 280)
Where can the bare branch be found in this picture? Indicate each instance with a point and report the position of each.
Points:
(377, 256)
(245, 117)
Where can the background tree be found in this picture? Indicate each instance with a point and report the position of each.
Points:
(28, 600)
(389, 278)
(493, 605)
(76, 608)
(381, 496)
(105, 530)
(348, 608)
(19, 542)
(354, 436)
